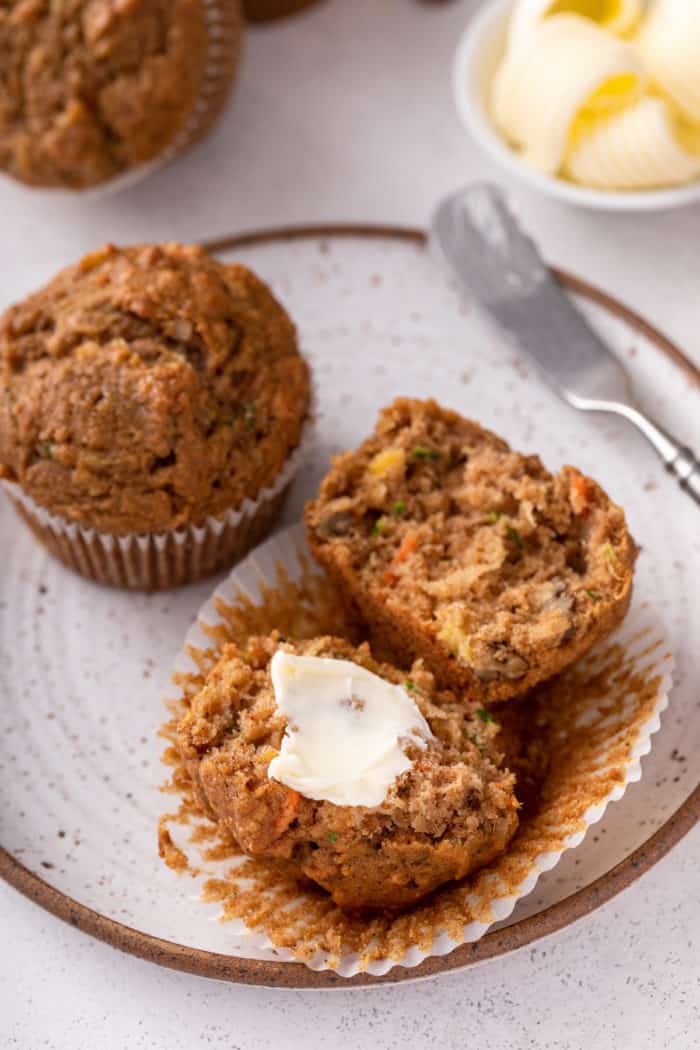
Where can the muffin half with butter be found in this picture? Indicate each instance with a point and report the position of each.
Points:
(458, 550)
(366, 779)
(153, 406)
(95, 89)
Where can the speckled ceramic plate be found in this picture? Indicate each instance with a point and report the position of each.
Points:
(83, 670)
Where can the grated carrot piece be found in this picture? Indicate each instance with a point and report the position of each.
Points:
(288, 811)
(580, 494)
(409, 546)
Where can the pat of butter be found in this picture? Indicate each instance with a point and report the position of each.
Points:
(346, 730)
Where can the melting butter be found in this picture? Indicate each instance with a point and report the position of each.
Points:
(347, 730)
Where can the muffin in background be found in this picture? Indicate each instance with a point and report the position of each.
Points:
(93, 90)
(153, 407)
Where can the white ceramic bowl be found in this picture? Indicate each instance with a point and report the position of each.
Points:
(478, 54)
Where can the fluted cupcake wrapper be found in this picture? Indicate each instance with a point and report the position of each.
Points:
(159, 561)
(224, 26)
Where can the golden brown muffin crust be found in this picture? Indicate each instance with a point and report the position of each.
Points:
(149, 387)
(91, 88)
(451, 813)
(474, 557)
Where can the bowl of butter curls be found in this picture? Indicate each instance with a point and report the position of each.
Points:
(595, 102)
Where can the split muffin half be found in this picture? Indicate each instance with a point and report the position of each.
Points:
(455, 549)
(368, 780)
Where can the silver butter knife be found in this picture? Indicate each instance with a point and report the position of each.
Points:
(496, 263)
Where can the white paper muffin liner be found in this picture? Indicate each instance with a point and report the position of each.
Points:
(224, 23)
(621, 730)
(159, 561)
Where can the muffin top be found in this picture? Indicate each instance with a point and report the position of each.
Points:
(149, 387)
(495, 571)
(449, 813)
(92, 88)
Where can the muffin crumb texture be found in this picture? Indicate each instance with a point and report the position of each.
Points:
(452, 812)
(92, 89)
(458, 550)
(148, 388)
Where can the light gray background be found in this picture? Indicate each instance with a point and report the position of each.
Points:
(346, 113)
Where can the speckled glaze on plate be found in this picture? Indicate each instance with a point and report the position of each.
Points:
(83, 670)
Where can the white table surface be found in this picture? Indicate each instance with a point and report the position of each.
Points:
(345, 113)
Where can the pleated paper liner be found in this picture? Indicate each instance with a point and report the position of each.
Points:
(224, 20)
(160, 561)
(594, 722)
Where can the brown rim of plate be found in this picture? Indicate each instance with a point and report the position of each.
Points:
(257, 11)
(499, 942)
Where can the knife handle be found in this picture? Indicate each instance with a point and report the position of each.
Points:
(679, 460)
(686, 468)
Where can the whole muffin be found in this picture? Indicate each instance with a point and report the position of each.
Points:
(474, 557)
(91, 89)
(150, 393)
(448, 814)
